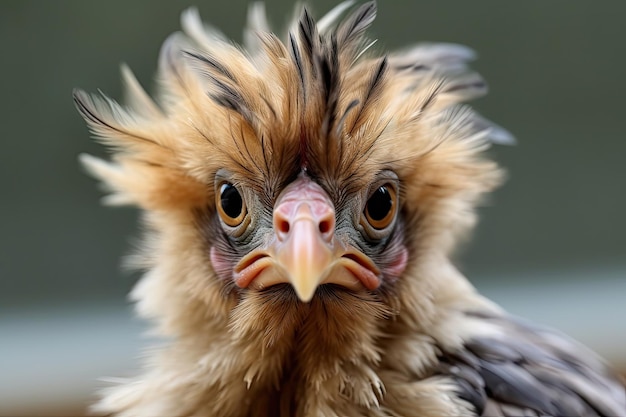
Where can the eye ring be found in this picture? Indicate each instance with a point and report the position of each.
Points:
(381, 207)
(231, 206)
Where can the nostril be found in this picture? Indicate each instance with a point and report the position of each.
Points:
(283, 226)
(324, 227)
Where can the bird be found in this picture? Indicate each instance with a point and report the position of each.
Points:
(302, 196)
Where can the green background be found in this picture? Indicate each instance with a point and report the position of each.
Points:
(556, 74)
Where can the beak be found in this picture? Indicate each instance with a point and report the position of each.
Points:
(304, 251)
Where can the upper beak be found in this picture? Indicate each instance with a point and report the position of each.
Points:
(305, 251)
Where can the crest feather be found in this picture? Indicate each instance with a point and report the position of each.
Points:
(320, 99)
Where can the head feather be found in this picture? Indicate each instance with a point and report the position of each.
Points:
(321, 100)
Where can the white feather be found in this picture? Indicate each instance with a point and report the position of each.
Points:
(136, 96)
(203, 34)
(330, 18)
(257, 23)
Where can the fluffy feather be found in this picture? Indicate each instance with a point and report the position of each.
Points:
(320, 101)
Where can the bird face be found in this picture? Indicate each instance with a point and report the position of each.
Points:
(307, 239)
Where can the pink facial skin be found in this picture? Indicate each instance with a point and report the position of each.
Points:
(397, 266)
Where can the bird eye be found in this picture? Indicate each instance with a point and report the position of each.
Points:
(381, 207)
(230, 205)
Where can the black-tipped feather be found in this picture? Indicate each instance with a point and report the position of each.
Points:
(97, 118)
(372, 90)
(352, 29)
(227, 95)
(297, 59)
(330, 82)
(308, 33)
(213, 64)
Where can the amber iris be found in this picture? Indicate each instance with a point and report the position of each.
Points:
(230, 205)
(381, 207)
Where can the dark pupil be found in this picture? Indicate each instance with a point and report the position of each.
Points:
(231, 201)
(379, 204)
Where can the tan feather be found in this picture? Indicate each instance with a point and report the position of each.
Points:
(321, 100)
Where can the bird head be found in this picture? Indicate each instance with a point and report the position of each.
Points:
(295, 171)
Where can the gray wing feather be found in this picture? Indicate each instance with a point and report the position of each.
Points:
(533, 371)
(450, 62)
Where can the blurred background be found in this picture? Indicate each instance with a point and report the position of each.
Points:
(551, 244)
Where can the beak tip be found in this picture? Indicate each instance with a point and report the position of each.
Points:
(305, 295)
